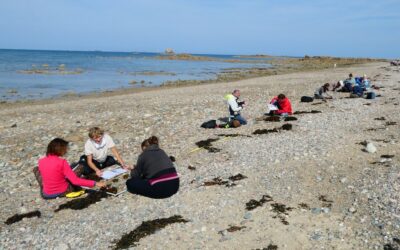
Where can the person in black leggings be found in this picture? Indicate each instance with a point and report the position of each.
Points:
(154, 175)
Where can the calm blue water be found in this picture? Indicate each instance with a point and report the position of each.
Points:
(101, 71)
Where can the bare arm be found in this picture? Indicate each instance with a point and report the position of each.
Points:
(92, 166)
(119, 159)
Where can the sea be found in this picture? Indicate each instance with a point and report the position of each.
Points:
(41, 74)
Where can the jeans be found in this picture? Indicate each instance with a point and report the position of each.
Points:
(240, 119)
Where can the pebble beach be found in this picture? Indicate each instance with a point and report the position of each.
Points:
(315, 186)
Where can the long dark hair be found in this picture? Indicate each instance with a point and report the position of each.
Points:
(57, 147)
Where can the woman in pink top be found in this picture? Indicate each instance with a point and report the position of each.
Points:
(55, 175)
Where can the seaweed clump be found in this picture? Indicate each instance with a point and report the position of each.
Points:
(228, 183)
(207, 144)
(237, 177)
(286, 126)
(269, 247)
(253, 204)
(325, 202)
(281, 210)
(307, 112)
(265, 131)
(146, 228)
(82, 203)
(18, 217)
(216, 181)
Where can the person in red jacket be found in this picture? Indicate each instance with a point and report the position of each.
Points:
(283, 104)
(55, 175)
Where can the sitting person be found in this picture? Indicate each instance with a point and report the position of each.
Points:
(284, 107)
(322, 92)
(55, 175)
(154, 175)
(235, 107)
(358, 91)
(338, 86)
(349, 84)
(96, 153)
(365, 82)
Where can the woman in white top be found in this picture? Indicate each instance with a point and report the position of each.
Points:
(96, 153)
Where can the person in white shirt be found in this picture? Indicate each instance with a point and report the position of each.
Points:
(96, 155)
(235, 106)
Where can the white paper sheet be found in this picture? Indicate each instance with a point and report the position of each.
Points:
(108, 174)
(272, 107)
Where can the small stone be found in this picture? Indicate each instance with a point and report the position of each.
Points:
(14, 125)
(370, 148)
(63, 246)
(316, 210)
(352, 210)
(326, 210)
(247, 216)
(343, 180)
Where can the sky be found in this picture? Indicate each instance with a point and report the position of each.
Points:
(346, 28)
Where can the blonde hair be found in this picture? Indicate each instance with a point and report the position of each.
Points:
(95, 132)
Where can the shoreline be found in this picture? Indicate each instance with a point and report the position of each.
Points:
(279, 67)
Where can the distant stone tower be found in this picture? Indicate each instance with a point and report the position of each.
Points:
(169, 51)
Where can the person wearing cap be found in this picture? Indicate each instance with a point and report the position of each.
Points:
(322, 92)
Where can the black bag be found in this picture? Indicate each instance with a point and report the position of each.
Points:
(306, 99)
(209, 124)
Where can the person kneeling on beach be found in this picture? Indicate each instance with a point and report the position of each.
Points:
(322, 92)
(283, 105)
(96, 153)
(54, 174)
(235, 107)
(154, 175)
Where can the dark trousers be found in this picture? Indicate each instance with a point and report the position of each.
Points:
(87, 170)
(159, 190)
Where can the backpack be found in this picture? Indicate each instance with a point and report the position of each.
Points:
(306, 99)
(371, 95)
(209, 124)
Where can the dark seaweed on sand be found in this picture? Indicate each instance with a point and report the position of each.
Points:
(18, 217)
(207, 144)
(235, 228)
(252, 204)
(233, 135)
(304, 205)
(215, 181)
(286, 126)
(290, 118)
(237, 177)
(307, 112)
(269, 247)
(81, 203)
(325, 201)
(265, 131)
(281, 210)
(145, 229)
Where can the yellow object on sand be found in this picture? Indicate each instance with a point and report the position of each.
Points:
(75, 194)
